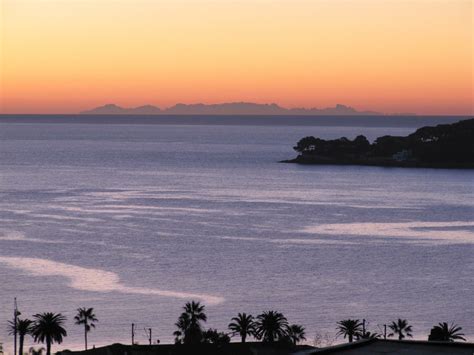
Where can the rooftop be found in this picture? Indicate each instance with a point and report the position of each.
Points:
(405, 347)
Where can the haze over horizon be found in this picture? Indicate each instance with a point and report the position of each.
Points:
(386, 56)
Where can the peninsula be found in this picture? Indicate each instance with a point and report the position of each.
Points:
(441, 146)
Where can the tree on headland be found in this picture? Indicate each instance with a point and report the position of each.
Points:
(243, 325)
(296, 333)
(189, 323)
(271, 326)
(400, 328)
(445, 332)
(22, 328)
(48, 328)
(86, 317)
(349, 328)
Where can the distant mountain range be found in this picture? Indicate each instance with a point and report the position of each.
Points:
(231, 108)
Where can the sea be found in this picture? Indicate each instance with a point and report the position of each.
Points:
(135, 217)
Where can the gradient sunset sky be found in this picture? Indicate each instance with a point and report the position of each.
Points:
(63, 56)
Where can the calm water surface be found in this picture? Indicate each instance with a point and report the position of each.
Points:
(134, 220)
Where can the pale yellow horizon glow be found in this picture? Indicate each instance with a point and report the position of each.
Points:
(64, 56)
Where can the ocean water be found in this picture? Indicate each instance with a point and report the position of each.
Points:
(135, 220)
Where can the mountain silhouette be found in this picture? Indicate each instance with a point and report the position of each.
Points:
(112, 109)
(230, 108)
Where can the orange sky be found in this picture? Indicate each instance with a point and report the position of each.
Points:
(63, 56)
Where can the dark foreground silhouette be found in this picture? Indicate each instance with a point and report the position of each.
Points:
(442, 146)
(271, 332)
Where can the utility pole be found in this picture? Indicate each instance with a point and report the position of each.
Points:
(149, 336)
(385, 331)
(133, 333)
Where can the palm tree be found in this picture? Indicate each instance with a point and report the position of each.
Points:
(368, 335)
(271, 326)
(87, 317)
(243, 325)
(182, 324)
(22, 328)
(33, 351)
(189, 323)
(349, 328)
(48, 327)
(401, 328)
(445, 332)
(296, 333)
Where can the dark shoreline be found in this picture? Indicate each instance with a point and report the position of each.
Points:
(376, 162)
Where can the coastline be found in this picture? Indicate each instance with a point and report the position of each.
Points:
(445, 146)
(320, 160)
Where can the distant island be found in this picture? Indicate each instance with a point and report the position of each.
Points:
(442, 146)
(231, 108)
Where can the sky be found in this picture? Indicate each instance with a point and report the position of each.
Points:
(392, 56)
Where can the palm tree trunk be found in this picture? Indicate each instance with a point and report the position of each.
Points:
(85, 334)
(20, 344)
(48, 346)
(243, 337)
(400, 336)
(350, 338)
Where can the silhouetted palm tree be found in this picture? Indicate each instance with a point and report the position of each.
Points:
(182, 324)
(368, 335)
(243, 325)
(271, 326)
(48, 328)
(445, 332)
(23, 328)
(189, 323)
(296, 333)
(87, 317)
(33, 351)
(349, 328)
(401, 328)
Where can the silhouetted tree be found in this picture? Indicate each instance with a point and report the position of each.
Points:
(23, 328)
(86, 317)
(271, 326)
(349, 328)
(445, 332)
(189, 323)
(33, 351)
(48, 328)
(243, 325)
(214, 337)
(182, 324)
(306, 144)
(401, 328)
(296, 333)
(368, 335)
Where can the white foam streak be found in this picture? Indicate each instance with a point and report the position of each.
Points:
(20, 237)
(95, 280)
(416, 230)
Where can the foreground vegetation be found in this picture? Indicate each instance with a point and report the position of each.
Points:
(442, 146)
(269, 326)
